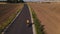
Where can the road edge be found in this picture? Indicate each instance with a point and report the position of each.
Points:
(33, 26)
(12, 20)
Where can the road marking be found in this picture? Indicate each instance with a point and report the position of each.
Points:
(33, 26)
(11, 22)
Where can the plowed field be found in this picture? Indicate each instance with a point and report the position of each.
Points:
(7, 12)
(49, 15)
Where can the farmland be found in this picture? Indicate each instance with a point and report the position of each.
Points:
(49, 15)
(7, 13)
(3, 2)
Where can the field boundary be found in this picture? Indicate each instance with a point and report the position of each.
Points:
(33, 26)
(38, 28)
(19, 11)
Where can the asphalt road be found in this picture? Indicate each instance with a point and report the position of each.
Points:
(19, 26)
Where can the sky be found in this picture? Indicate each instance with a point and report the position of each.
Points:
(36, 0)
(25, 0)
(32, 0)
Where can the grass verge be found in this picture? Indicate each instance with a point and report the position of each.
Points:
(39, 28)
(8, 21)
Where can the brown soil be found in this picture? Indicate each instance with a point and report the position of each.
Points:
(6, 10)
(3, 2)
(49, 15)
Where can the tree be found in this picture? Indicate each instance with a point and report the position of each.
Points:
(21, 1)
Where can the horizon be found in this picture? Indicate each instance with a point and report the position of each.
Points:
(38, 0)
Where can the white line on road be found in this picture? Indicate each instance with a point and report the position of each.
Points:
(33, 25)
(11, 22)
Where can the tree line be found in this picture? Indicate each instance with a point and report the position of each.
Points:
(15, 1)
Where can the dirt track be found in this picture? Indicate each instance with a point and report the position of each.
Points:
(49, 15)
